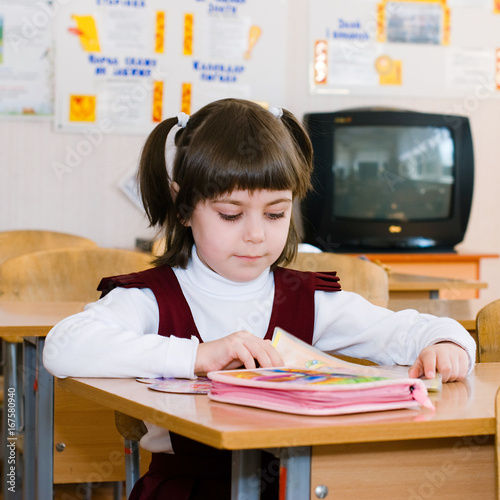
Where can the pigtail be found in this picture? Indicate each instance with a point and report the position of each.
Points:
(303, 149)
(153, 178)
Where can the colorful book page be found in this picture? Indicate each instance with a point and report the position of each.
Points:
(298, 379)
(297, 353)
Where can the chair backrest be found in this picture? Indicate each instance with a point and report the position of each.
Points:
(488, 335)
(356, 274)
(20, 242)
(69, 274)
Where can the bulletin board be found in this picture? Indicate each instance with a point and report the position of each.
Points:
(26, 85)
(431, 48)
(125, 65)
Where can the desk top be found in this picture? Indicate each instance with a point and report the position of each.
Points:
(33, 319)
(462, 409)
(413, 282)
(463, 311)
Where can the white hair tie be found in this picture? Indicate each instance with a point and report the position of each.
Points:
(170, 148)
(276, 111)
(182, 120)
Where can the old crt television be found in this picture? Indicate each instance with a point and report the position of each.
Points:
(388, 180)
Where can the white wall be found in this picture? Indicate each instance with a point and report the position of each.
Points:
(88, 201)
(85, 200)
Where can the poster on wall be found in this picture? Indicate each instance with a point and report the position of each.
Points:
(25, 58)
(125, 65)
(403, 47)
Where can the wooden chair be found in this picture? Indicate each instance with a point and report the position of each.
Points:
(488, 336)
(85, 434)
(356, 274)
(488, 343)
(15, 243)
(69, 274)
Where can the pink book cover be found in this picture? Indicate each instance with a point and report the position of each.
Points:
(316, 392)
(316, 383)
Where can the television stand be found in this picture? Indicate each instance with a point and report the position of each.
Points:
(394, 250)
(453, 265)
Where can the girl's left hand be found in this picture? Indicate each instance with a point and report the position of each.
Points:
(449, 359)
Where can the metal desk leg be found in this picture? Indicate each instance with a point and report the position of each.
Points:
(245, 475)
(42, 460)
(29, 380)
(296, 470)
(11, 413)
(132, 468)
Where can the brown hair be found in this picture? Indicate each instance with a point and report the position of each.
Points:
(226, 145)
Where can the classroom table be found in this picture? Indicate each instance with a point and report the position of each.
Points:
(413, 286)
(27, 419)
(394, 454)
(463, 311)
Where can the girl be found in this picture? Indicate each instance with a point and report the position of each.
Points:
(222, 183)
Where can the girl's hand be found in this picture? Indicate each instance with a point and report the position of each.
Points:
(235, 350)
(449, 359)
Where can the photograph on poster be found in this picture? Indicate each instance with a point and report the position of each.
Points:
(414, 23)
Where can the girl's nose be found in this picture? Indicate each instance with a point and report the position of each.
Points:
(254, 230)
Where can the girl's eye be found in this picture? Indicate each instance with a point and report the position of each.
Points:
(228, 217)
(278, 215)
(235, 217)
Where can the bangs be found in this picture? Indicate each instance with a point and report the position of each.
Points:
(252, 151)
(225, 175)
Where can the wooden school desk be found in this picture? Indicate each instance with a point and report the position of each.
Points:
(449, 265)
(444, 454)
(30, 424)
(463, 311)
(30, 390)
(412, 286)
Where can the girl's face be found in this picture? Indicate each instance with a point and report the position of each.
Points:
(241, 234)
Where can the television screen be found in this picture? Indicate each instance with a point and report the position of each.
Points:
(392, 173)
(388, 180)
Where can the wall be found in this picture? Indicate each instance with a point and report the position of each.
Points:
(87, 200)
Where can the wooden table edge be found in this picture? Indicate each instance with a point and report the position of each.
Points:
(293, 436)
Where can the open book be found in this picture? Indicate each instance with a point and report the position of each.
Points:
(314, 383)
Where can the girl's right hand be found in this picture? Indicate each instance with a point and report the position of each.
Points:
(238, 349)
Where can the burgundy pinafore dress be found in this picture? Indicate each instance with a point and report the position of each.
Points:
(194, 470)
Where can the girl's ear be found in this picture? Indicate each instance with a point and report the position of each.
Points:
(174, 190)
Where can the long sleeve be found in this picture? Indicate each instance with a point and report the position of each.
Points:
(348, 324)
(117, 337)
